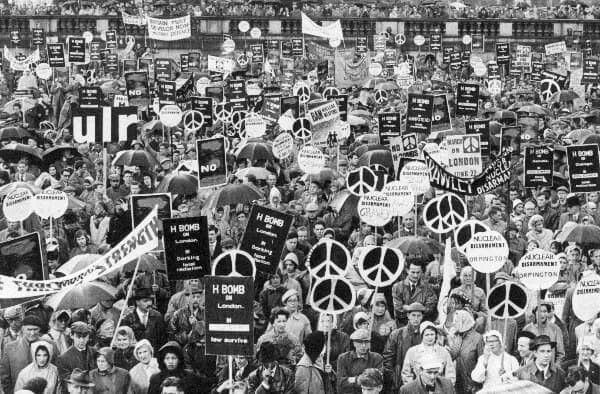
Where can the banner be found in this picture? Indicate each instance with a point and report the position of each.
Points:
(264, 237)
(212, 164)
(143, 239)
(128, 19)
(229, 315)
(220, 64)
(169, 29)
(584, 164)
(21, 64)
(495, 175)
(324, 118)
(332, 30)
(105, 124)
(186, 247)
(350, 70)
(138, 92)
(539, 162)
(556, 48)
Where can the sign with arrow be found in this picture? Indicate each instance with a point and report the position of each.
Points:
(539, 162)
(584, 164)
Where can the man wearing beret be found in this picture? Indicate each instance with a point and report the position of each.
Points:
(351, 364)
(79, 355)
(542, 371)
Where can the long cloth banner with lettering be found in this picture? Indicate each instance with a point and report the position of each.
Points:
(169, 29)
(143, 239)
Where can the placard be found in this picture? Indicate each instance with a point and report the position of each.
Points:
(56, 55)
(37, 37)
(467, 99)
(95, 49)
(290, 103)
(361, 45)
(21, 258)
(76, 49)
(104, 124)
(311, 160)
(502, 53)
(162, 68)
(205, 106)
(487, 251)
(186, 247)
(166, 92)
(464, 155)
(212, 163)
(455, 61)
(112, 63)
(342, 103)
(586, 297)
(89, 97)
(538, 269)
(136, 84)
(297, 47)
(236, 94)
(257, 54)
(265, 236)
(374, 208)
(143, 204)
(184, 59)
(539, 164)
(389, 126)
(435, 42)
(590, 71)
(51, 203)
(18, 205)
(441, 119)
(493, 71)
(419, 113)
(555, 48)
(229, 315)
(584, 166)
(536, 71)
(111, 39)
(169, 29)
(446, 52)
(481, 128)
(400, 196)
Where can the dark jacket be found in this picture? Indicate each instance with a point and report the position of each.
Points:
(72, 359)
(423, 293)
(350, 365)
(270, 298)
(555, 382)
(155, 330)
(114, 382)
(442, 386)
(192, 384)
(124, 358)
(400, 340)
(281, 383)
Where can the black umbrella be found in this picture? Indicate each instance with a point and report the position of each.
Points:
(56, 153)
(140, 158)
(13, 133)
(14, 152)
(179, 183)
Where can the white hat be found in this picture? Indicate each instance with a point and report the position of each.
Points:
(288, 294)
(430, 361)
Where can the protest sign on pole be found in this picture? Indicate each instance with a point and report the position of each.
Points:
(374, 208)
(586, 297)
(482, 128)
(584, 168)
(487, 251)
(212, 163)
(467, 99)
(389, 126)
(538, 166)
(21, 258)
(464, 155)
(56, 55)
(18, 204)
(538, 269)
(76, 49)
(419, 113)
(186, 247)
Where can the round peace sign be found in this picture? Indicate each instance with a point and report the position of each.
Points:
(47, 125)
(223, 112)
(242, 60)
(193, 120)
(332, 296)
(400, 39)
(236, 119)
(465, 231)
(548, 88)
(361, 181)
(330, 91)
(508, 299)
(380, 266)
(444, 213)
(303, 93)
(234, 263)
(381, 96)
(301, 128)
(327, 258)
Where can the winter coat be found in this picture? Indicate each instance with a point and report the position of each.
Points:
(48, 372)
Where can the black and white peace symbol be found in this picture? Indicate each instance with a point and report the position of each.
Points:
(548, 88)
(234, 263)
(330, 91)
(332, 295)
(378, 169)
(47, 125)
(223, 112)
(380, 266)
(386, 35)
(303, 93)
(444, 213)
(471, 144)
(236, 119)
(385, 73)
(400, 39)
(328, 258)
(465, 231)
(409, 142)
(193, 120)
(361, 181)
(242, 60)
(508, 299)
(381, 96)
(301, 129)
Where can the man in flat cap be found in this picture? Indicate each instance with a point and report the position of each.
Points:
(79, 355)
(351, 364)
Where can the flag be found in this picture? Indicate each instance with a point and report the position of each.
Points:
(332, 30)
(448, 273)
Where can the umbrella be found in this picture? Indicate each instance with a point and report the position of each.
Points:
(372, 82)
(26, 105)
(592, 139)
(6, 189)
(326, 174)
(387, 85)
(533, 109)
(362, 149)
(564, 96)
(140, 158)
(75, 203)
(412, 247)
(14, 152)
(148, 263)
(584, 234)
(56, 153)
(258, 172)
(232, 194)
(254, 151)
(516, 387)
(503, 115)
(363, 113)
(84, 295)
(13, 133)
(344, 200)
(178, 183)
(78, 263)
(578, 135)
(379, 156)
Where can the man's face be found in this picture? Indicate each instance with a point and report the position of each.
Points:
(523, 347)
(15, 323)
(291, 244)
(22, 168)
(171, 361)
(31, 333)
(114, 183)
(271, 180)
(319, 231)
(494, 344)
(196, 300)
(212, 236)
(144, 304)
(415, 318)
(467, 276)
(428, 375)
(302, 235)
(541, 200)
(77, 389)
(544, 314)
(122, 341)
(362, 347)
(279, 323)
(562, 196)
(414, 273)
(80, 341)
(543, 355)
(529, 209)
(312, 213)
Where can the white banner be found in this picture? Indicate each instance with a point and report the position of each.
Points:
(143, 239)
(332, 30)
(220, 64)
(169, 29)
(556, 48)
(21, 65)
(138, 20)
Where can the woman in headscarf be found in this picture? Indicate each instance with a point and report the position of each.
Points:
(59, 331)
(298, 324)
(105, 329)
(107, 378)
(146, 367)
(495, 366)
(429, 345)
(124, 348)
(383, 323)
(465, 346)
(538, 233)
(40, 367)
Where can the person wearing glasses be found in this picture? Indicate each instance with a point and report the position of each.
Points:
(429, 379)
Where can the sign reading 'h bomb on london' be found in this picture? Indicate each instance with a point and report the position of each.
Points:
(186, 247)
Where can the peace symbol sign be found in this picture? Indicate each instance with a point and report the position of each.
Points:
(301, 129)
(465, 231)
(327, 258)
(193, 120)
(223, 112)
(47, 125)
(444, 213)
(330, 91)
(379, 169)
(409, 142)
(548, 88)
(471, 144)
(380, 266)
(332, 295)
(236, 119)
(303, 93)
(381, 96)
(400, 39)
(508, 299)
(361, 181)
(242, 60)
(234, 263)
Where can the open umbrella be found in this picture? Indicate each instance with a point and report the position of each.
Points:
(148, 263)
(504, 115)
(564, 96)
(412, 247)
(372, 82)
(78, 263)
(232, 194)
(344, 200)
(584, 234)
(387, 85)
(578, 135)
(362, 149)
(255, 151)
(139, 158)
(56, 153)
(356, 120)
(178, 183)
(379, 156)
(326, 174)
(84, 295)
(75, 203)
(533, 109)
(13, 133)
(258, 172)
(14, 152)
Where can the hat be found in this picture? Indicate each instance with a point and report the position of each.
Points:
(142, 293)
(80, 378)
(113, 177)
(288, 294)
(492, 333)
(425, 325)
(311, 207)
(32, 320)
(293, 258)
(292, 234)
(329, 231)
(562, 188)
(108, 354)
(463, 320)
(541, 340)
(13, 312)
(430, 361)
(415, 307)
(80, 327)
(227, 242)
(364, 295)
(516, 202)
(165, 160)
(361, 335)
(88, 179)
(573, 201)
(379, 297)
(358, 318)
